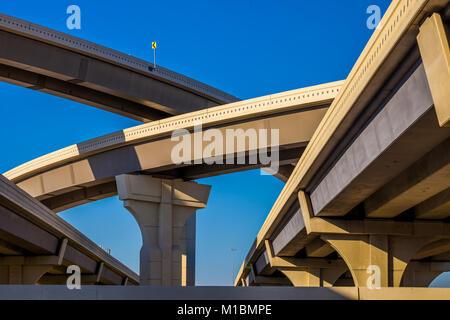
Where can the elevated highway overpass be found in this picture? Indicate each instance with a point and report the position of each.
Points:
(137, 164)
(369, 197)
(36, 246)
(86, 172)
(50, 61)
(366, 164)
(46, 60)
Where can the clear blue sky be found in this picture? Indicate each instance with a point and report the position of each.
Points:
(248, 48)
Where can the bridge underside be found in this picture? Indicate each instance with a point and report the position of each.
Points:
(92, 178)
(368, 203)
(281, 123)
(373, 209)
(52, 62)
(105, 188)
(36, 246)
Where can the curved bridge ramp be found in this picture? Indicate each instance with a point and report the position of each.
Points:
(85, 172)
(50, 61)
(37, 246)
(368, 203)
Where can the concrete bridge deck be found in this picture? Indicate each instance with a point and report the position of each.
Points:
(371, 188)
(85, 172)
(50, 61)
(37, 246)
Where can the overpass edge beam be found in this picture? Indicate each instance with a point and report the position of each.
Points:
(434, 49)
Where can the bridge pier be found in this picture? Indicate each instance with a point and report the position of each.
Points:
(165, 211)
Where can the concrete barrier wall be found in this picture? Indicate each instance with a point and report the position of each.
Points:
(47, 292)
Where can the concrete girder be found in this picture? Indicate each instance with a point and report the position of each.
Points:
(292, 237)
(314, 277)
(425, 178)
(284, 172)
(244, 111)
(417, 228)
(22, 274)
(106, 188)
(303, 278)
(303, 272)
(271, 281)
(255, 279)
(385, 52)
(319, 263)
(80, 196)
(436, 207)
(7, 248)
(433, 249)
(318, 248)
(382, 150)
(78, 93)
(192, 172)
(42, 241)
(60, 279)
(29, 269)
(100, 275)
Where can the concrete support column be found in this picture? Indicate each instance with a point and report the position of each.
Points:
(367, 254)
(165, 211)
